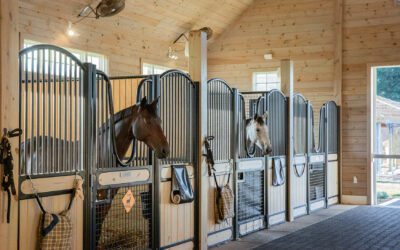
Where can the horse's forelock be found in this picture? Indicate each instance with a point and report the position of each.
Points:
(260, 120)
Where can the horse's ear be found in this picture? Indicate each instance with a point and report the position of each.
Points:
(265, 115)
(255, 116)
(154, 103)
(143, 102)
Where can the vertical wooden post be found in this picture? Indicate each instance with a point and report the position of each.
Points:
(287, 89)
(9, 109)
(198, 72)
(337, 74)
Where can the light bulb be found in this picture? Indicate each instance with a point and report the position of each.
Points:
(70, 31)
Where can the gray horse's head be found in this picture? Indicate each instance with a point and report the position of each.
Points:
(257, 133)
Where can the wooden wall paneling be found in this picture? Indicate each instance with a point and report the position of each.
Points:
(9, 107)
(370, 31)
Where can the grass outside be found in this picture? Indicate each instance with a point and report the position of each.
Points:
(387, 190)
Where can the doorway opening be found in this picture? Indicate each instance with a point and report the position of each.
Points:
(385, 134)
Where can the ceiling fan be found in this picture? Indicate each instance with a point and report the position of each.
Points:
(105, 8)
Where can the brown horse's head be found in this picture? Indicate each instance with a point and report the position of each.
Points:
(146, 127)
(257, 133)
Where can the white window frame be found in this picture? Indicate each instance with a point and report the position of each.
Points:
(83, 56)
(153, 68)
(266, 73)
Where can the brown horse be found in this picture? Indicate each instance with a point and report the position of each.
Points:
(142, 123)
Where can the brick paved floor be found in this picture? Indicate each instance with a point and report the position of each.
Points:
(338, 227)
(362, 227)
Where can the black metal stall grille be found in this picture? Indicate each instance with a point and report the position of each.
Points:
(250, 103)
(332, 127)
(123, 230)
(299, 125)
(220, 119)
(277, 122)
(50, 112)
(178, 105)
(250, 194)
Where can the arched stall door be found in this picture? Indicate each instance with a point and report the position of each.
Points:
(298, 170)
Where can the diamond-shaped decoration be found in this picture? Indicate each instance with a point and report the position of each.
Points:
(128, 201)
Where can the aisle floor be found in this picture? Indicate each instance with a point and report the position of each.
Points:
(269, 236)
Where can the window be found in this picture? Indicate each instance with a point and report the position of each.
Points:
(266, 81)
(151, 69)
(99, 60)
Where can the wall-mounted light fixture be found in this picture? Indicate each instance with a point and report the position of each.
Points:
(171, 54)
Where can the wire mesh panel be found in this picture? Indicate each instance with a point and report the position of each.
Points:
(121, 229)
(317, 182)
(250, 195)
(178, 114)
(51, 111)
(220, 119)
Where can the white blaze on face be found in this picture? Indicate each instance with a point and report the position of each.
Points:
(251, 131)
(257, 133)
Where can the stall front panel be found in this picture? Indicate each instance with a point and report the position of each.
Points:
(220, 125)
(250, 175)
(298, 171)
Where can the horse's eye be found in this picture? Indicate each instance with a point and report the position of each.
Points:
(258, 130)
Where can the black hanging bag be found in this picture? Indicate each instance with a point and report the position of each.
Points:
(182, 191)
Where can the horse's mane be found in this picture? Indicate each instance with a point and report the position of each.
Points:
(119, 116)
(123, 114)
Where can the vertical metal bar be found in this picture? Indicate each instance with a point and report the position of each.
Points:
(26, 126)
(70, 154)
(64, 147)
(32, 137)
(43, 146)
(235, 152)
(89, 110)
(54, 102)
(326, 124)
(50, 104)
(75, 142)
(21, 169)
(308, 143)
(156, 215)
(59, 155)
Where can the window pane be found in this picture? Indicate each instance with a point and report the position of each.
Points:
(261, 78)
(261, 87)
(272, 77)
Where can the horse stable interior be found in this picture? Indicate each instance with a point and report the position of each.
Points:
(183, 124)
